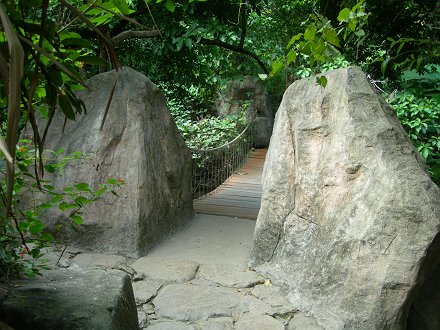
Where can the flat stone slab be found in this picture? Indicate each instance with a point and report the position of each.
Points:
(303, 322)
(166, 271)
(67, 299)
(230, 276)
(100, 260)
(218, 323)
(170, 325)
(186, 302)
(145, 290)
(274, 296)
(252, 305)
(260, 322)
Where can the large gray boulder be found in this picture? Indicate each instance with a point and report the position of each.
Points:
(139, 144)
(251, 90)
(65, 299)
(349, 217)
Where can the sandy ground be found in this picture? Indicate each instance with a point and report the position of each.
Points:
(210, 239)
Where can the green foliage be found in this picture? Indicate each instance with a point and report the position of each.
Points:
(320, 43)
(411, 40)
(22, 240)
(46, 50)
(421, 119)
(211, 132)
(426, 84)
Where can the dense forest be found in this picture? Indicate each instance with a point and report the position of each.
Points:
(191, 49)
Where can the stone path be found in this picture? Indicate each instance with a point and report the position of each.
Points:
(198, 279)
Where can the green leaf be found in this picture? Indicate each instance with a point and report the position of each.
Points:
(122, 6)
(294, 39)
(22, 167)
(114, 193)
(64, 206)
(66, 107)
(352, 24)
(291, 57)
(83, 186)
(45, 206)
(383, 66)
(322, 81)
(36, 253)
(77, 42)
(331, 37)
(344, 14)
(77, 219)
(94, 60)
(310, 32)
(112, 181)
(360, 33)
(81, 201)
(47, 237)
(56, 198)
(276, 66)
(35, 227)
(50, 168)
(358, 5)
(170, 5)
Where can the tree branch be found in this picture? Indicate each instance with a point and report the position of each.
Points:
(236, 49)
(130, 34)
(243, 25)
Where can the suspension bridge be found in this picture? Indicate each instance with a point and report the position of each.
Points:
(240, 195)
(227, 179)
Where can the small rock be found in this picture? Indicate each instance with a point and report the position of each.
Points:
(260, 322)
(170, 325)
(301, 321)
(166, 271)
(142, 318)
(145, 290)
(185, 302)
(148, 309)
(230, 276)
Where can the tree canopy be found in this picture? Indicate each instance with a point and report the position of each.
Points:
(192, 48)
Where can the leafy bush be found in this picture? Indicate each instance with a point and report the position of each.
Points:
(24, 233)
(420, 116)
(211, 132)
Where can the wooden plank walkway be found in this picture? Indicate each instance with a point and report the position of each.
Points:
(240, 195)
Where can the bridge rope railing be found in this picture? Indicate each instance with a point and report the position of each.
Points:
(212, 166)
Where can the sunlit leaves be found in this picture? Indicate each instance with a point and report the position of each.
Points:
(122, 6)
(294, 39)
(331, 36)
(321, 42)
(420, 116)
(170, 5)
(276, 66)
(291, 56)
(344, 14)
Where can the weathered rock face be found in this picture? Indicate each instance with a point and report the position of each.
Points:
(348, 217)
(140, 144)
(249, 90)
(66, 299)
